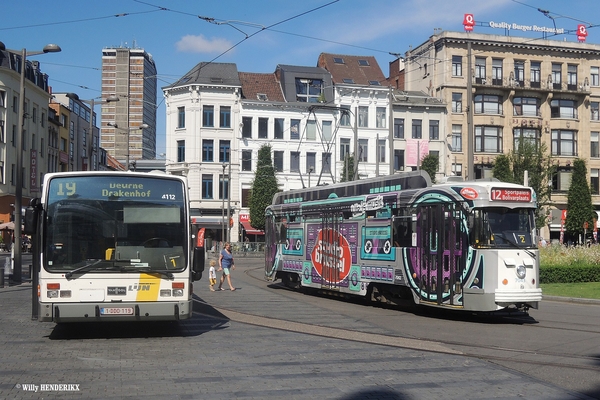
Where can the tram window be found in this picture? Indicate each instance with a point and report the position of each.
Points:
(402, 231)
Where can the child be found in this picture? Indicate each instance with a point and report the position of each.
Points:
(212, 275)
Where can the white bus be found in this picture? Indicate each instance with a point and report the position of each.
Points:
(113, 246)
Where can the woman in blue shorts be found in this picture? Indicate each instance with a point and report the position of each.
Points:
(225, 265)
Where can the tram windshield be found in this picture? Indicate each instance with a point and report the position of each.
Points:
(503, 227)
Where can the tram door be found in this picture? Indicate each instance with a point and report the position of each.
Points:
(330, 237)
(441, 249)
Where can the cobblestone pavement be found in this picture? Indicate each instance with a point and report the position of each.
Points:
(213, 357)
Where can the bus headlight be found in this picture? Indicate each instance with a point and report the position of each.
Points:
(521, 271)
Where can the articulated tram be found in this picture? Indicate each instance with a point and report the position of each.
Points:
(458, 245)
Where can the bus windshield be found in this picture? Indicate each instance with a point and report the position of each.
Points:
(501, 227)
(115, 224)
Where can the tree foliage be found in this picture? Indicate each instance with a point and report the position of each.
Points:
(264, 187)
(530, 156)
(579, 202)
(431, 164)
(348, 169)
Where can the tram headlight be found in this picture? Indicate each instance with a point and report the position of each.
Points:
(521, 271)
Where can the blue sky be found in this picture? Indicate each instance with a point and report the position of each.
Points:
(255, 35)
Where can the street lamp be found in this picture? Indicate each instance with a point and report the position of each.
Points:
(310, 171)
(127, 130)
(50, 48)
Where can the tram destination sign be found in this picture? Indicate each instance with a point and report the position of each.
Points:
(521, 195)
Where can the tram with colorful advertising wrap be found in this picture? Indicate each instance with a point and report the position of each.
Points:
(113, 246)
(457, 245)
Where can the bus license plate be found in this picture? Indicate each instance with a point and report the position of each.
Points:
(116, 311)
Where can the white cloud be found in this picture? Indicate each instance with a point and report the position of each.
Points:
(200, 44)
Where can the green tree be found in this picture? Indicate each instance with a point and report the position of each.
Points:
(264, 187)
(579, 202)
(502, 169)
(530, 156)
(431, 164)
(348, 169)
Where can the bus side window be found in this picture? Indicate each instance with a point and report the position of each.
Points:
(402, 231)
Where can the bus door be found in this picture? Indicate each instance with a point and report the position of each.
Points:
(330, 237)
(441, 249)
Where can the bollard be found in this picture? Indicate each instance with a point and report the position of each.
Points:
(2, 278)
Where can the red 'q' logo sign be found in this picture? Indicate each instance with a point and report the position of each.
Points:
(469, 22)
(332, 251)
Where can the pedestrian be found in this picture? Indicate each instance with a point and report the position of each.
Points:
(226, 263)
(246, 245)
(212, 275)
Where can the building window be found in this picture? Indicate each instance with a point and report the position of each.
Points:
(2, 98)
(326, 162)
(208, 116)
(381, 149)
(488, 104)
(278, 128)
(520, 73)
(327, 132)
(224, 151)
(1, 131)
(295, 161)
(572, 77)
(562, 108)
(564, 143)
(278, 161)
(180, 150)
(480, 70)
(223, 186)
(308, 90)
(247, 127)
(535, 74)
(595, 181)
(488, 139)
(363, 150)
(180, 117)
(594, 108)
(295, 129)
(497, 71)
(417, 129)
(399, 128)
(434, 130)
(380, 117)
(363, 117)
(246, 197)
(594, 76)
(561, 181)
(208, 150)
(594, 145)
(246, 160)
(345, 116)
(344, 148)
(456, 137)
(225, 117)
(311, 130)
(263, 128)
(311, 161)
(456, 102)
(207, 186)
(556, 76)
(456, 65)
(398, 160)
(457, 169)
(526, 106)
(525, 135)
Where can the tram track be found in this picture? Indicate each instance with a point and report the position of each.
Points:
(497, 354)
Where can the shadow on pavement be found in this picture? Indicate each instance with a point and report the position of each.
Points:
(204, 319)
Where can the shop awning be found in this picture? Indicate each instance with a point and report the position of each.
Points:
(250, 230)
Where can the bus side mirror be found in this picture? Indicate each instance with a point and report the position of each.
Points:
(32, 213)
(198, 263)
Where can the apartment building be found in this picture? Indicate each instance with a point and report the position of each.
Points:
(504, 88)
(129, 73)
(34, 126)
(312, 117)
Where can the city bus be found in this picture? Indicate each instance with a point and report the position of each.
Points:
(113, 246)
(461, 245)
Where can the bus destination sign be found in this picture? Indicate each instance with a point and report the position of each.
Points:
(521, 195)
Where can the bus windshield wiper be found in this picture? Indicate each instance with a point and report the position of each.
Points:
(149, 270)
(87, 266)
